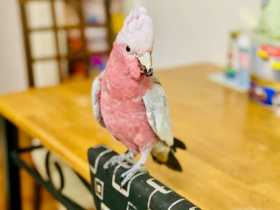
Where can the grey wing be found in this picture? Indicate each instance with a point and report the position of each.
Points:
(158, 113)
(95, 94)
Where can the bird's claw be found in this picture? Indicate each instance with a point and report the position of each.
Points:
(117, 160)
(113, 161)
(130, 173)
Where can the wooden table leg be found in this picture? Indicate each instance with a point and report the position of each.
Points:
(37, 196)
(13, 188)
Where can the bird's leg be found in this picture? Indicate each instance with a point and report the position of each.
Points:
(136, 167)
(128, 156)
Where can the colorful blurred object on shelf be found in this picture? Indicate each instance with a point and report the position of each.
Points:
(231, 68)
(244, 60)
(94, 11)
(254, 57)
(239, 59)
(269, 23)
(117, 22)
(78, 68)
(117, 15)
(98, 62)
(268, 59)
(89, 47)
(265, 78)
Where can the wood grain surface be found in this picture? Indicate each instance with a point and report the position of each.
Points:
(233, 155)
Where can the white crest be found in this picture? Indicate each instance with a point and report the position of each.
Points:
(137, 31)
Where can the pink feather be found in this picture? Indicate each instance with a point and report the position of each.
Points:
(122, 107)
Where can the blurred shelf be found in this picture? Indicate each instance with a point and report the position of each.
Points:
(69, 27)
(71, 56)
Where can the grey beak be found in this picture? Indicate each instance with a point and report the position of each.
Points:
(148, 72)
(146, 63)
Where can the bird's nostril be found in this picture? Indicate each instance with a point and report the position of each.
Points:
(150, 72)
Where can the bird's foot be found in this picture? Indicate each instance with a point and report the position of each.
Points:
(131, 172)
(118, 159)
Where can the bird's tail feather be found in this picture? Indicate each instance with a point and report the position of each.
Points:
(178, 144)
(164, 154)
(172, 162)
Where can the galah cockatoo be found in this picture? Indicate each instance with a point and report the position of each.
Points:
(130, 102)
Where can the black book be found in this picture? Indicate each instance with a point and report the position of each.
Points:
(142, 192)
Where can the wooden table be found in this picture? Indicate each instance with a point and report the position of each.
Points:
(233, 156)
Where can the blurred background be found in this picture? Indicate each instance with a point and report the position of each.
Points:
(47, 42)
(186, 32)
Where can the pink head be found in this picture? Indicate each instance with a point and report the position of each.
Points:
(134, 43)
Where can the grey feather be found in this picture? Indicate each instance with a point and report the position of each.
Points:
(158, 114)
(95, 93)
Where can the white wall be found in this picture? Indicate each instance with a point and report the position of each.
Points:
(190, 31)
(12, 61)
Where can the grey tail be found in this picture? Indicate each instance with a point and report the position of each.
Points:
(172, 162)
(178, 144)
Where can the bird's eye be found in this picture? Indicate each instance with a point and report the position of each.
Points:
(128, 49)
